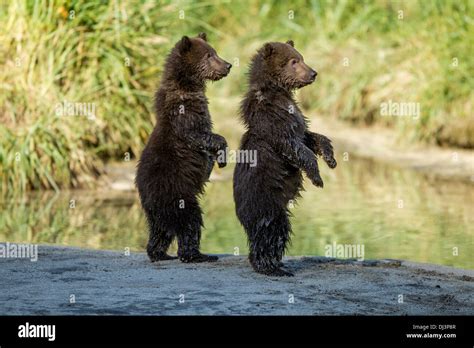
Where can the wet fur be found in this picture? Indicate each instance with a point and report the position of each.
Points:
(278, 131)
(180, 153)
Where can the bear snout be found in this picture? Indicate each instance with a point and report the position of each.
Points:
(225, 69)
(221, 67)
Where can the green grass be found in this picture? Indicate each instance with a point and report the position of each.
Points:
(111, 54)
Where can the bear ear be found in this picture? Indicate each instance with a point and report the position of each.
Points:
(202, 36)
(291, 43)
(184, 44)
(268, 50)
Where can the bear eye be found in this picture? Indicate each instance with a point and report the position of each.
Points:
(293, 62)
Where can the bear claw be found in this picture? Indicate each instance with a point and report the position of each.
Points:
(331, 162)
(317, 181)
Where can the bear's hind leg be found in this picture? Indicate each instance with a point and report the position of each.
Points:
(267, 246)
(158, 245)
(189, 237)
(282, 234)
(189, 252)
(158, 242)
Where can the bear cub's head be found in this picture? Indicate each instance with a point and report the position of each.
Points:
(201, 59)
(283, 65)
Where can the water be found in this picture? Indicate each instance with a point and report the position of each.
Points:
(393, 213)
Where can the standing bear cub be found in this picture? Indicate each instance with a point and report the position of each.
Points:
(180, 154)
(277, 130)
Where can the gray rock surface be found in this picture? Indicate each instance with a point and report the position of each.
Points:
(110, 283)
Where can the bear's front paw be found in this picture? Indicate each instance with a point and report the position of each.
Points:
(330, 160)
(325, 150)
(221, 162)
(220, 144)
(316, 180)
(221, 150)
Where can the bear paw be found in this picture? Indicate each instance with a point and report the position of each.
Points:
(161, 256)
(197, 258)
(277, 272)
(316, 180)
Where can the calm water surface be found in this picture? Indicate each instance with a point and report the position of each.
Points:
(393, 213)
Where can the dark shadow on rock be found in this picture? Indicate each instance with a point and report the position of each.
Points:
(308, 262)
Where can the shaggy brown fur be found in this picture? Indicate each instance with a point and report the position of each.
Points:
(180, 153)
(277, 130)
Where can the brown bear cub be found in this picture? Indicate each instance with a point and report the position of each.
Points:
(278, 131)
(180, 154)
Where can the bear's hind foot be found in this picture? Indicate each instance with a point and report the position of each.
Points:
(197, 257)
(161, 256)
(276, 272)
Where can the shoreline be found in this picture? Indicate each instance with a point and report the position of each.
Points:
(111, 283)
(374, 143)
(380, 144)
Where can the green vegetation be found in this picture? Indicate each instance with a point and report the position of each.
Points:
(111, 54)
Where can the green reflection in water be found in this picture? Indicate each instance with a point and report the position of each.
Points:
(394, 213)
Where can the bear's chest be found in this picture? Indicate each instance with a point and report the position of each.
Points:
(296, 120)
(193, 111)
